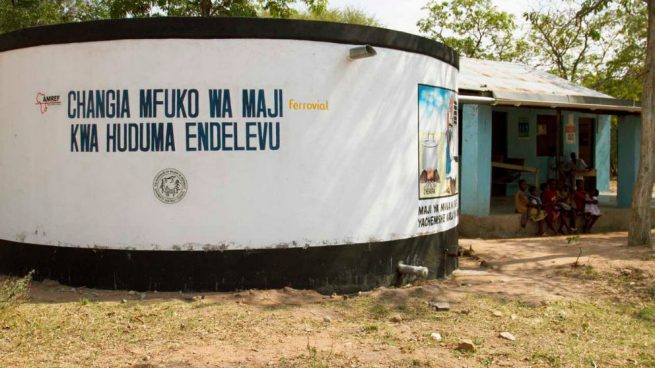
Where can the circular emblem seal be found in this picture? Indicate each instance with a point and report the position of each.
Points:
(170, 186)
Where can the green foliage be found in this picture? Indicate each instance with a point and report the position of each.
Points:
(205, 8)
(13, 291)
(474, 28)
(283, 9)
(647, 314)
(646, 359)
(551, 359)
(562, 39)
(370, 328)
(619, 68)
(346, 15)
(598, 43)
(379, 310)
(16, 14)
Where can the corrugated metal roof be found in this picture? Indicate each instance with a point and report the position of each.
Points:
(500, 76)
(520, 84)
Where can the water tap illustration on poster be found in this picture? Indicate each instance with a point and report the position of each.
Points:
(438, 142)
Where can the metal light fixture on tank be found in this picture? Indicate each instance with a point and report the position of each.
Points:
(361, 52)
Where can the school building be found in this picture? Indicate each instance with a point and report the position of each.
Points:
(516, 122)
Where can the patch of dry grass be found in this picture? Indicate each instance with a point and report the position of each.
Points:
(554, 334)
(612, 326)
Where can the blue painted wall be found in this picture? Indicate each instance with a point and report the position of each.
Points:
(629, 134)
(476, 160)
(603, 143)
(476, 150)
(526, 148)
(572, 147)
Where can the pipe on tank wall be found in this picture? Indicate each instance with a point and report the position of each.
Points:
(412, 270)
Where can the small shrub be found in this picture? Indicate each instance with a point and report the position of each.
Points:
(649, 257)
(646, 360)
(649, 292)
(370, 328)
(586, 272)
(14, 290)
(550, 359)
(487, 362)
(647, 314)
(379, 310)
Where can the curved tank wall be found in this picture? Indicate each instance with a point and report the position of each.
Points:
(226, 153)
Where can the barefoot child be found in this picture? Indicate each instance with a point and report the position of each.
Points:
(535, 209)
(591, 211)
(521, 202)
(549, 197)
(565, 204)
(579, 199)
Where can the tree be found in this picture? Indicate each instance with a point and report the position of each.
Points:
(617, 68)
(474, 28)
(563, 39)
(639, 230)
(640, 222)
(346, 15)
(597, 43)
(16, 14)
(208, 8)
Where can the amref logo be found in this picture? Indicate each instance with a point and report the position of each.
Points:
(44, 100)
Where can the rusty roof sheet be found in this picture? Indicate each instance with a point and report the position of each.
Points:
(502, 77)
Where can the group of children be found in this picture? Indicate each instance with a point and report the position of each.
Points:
(557, 206)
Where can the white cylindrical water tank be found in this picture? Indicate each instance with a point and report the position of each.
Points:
(225, 153)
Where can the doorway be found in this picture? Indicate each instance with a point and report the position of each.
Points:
(546, 135)
(586, 147)
(498, 136)
(586, 140)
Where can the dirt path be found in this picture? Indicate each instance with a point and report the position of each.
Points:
(561, 316)
(541, 268)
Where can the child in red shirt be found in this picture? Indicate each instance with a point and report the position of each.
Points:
(550, 206)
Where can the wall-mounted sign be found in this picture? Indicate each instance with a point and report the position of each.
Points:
(524, 127)
(569, 130)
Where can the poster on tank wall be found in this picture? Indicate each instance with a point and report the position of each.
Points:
(438, 142)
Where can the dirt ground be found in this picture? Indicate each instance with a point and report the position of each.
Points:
(570, 302)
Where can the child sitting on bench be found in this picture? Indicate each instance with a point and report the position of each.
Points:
(591, 210)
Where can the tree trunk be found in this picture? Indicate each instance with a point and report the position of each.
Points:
(640, 221)
(205, 8)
